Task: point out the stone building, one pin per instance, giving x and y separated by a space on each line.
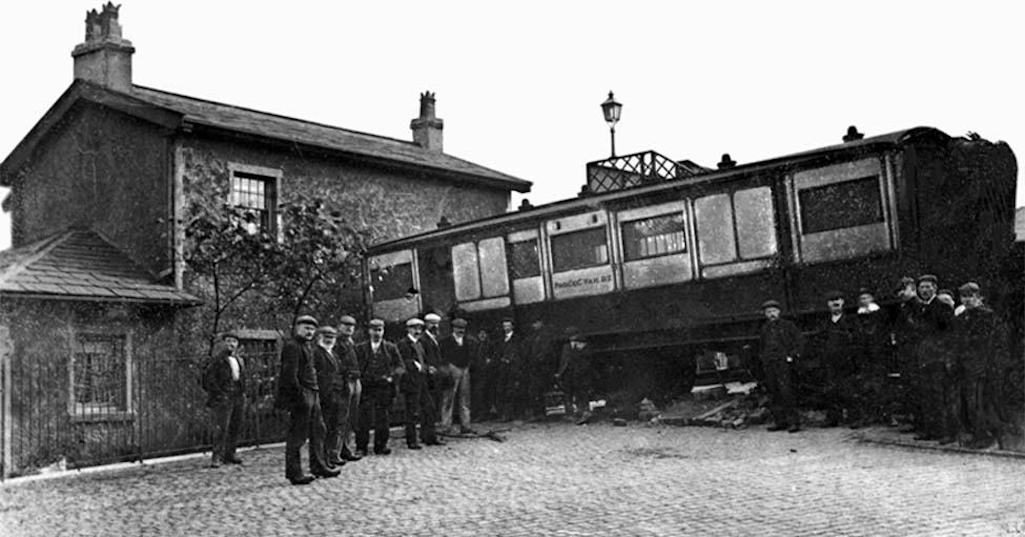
94 285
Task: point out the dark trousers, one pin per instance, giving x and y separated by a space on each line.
305 422
227 414
981 415
937 401
374 410
420 409
334 405
780 384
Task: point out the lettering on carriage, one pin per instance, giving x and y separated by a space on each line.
580 282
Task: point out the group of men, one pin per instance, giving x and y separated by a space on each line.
947 363
336 390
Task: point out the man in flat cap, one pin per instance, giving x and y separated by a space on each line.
349 410
933 358
331 384
982 346
380 367
438 378
224 379
457 352
298 393
876 360
834 344
574 373
413 385
780 344
904 338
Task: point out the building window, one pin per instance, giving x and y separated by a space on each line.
390 283
655 236
524 259
256 196
100 379
841 205
579 249
479 269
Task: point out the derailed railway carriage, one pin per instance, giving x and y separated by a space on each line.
663 265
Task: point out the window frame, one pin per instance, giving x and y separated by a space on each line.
482 287
738 257
603 229
271 178
684 239
90 412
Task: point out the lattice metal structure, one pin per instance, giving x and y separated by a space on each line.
638 169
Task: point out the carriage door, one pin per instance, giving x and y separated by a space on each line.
581 259
525 267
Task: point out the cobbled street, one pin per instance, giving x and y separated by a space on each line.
553 479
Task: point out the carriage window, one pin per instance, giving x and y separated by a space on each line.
756 225
479 269
465 271
841 205
524 259
493 273
391 282
656 236
716 240
579 249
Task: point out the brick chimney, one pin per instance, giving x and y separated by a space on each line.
427 128
105 58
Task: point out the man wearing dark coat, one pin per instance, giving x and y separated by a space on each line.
780 344
348 412
981 344
438 377
835 342
875 360
904 339
332 391
575 373
458 352
541 363
380 366
419 405
225 383
298 393
935 359
508 365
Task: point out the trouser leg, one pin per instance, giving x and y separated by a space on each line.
351 420
330 404
234 424
449 397
298 432
345 410
428 415
363 424
412 414
317 431
463 394
382 419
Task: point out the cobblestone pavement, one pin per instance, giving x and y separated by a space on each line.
556 479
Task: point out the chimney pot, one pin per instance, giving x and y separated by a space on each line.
427 128
525 205
726 162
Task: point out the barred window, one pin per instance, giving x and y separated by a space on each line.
653 237
99 373
256 196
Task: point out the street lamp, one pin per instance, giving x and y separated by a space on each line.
611 109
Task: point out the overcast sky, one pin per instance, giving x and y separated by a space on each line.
519 83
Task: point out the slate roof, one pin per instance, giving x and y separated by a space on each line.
80 264
244 120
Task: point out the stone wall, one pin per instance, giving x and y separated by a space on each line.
100 169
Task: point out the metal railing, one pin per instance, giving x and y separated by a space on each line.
638 169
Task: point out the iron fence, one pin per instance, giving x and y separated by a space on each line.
73 413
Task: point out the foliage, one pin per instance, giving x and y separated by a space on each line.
232 255
320 261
